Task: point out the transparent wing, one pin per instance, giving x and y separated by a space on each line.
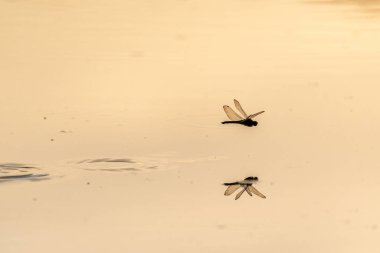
231 189
231 114
240 109
240 193
255 191
254 115
248 191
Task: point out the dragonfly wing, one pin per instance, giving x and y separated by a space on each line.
255 191
231 114
254 115
240 193
231 189
240 109
248 191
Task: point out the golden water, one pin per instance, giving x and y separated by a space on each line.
120 103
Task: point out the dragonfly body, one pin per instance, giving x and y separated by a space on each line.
246 122
237 119
246 184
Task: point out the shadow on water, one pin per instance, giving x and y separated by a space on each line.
18 171
369 7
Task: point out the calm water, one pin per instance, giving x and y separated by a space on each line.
111 138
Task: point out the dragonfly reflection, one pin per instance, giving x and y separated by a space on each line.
237 119
246 184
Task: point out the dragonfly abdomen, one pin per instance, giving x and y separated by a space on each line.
232 122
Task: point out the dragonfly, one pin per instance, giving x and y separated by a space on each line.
246 184
237 119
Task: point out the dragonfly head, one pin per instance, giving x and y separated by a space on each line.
254 123
252 178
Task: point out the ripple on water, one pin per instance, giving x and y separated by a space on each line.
19 171
110 164
138 164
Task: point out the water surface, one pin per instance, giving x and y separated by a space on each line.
119 104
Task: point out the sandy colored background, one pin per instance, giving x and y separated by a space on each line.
144 82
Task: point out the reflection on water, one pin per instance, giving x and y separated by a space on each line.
18 171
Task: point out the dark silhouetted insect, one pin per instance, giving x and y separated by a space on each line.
236 118
246 184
